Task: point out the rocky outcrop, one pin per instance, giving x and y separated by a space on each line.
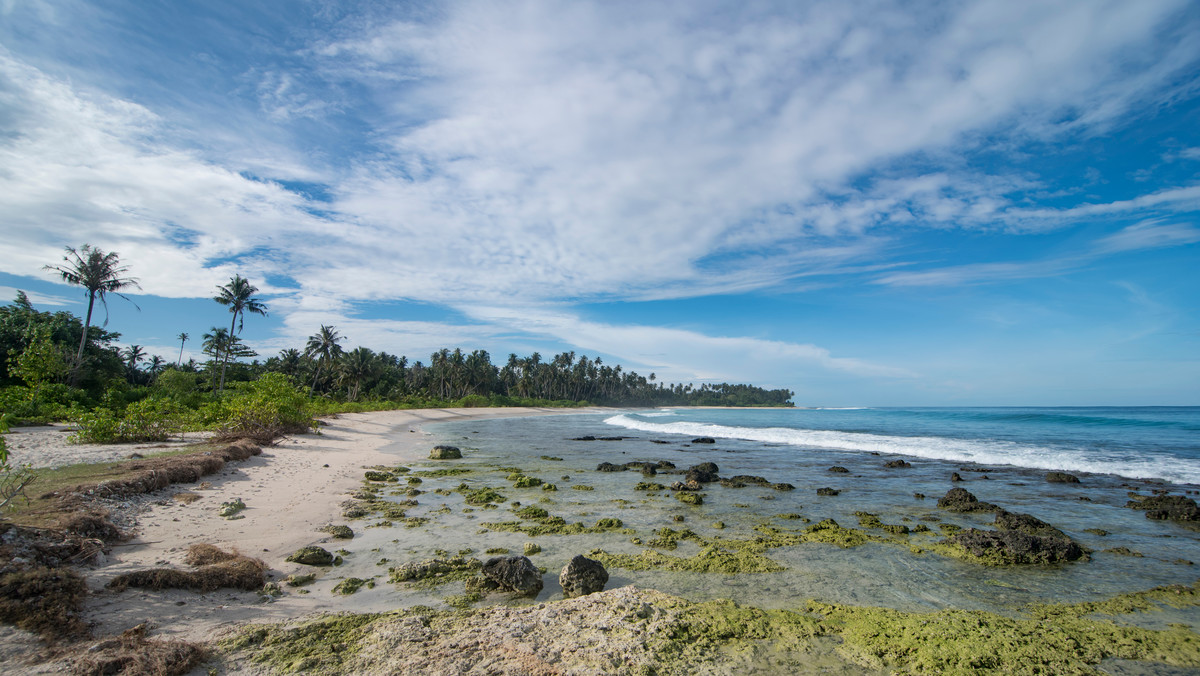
312 556
705 472
1172 507
1014 547
582 576
686 486
895 464
961 500
838 469
827 492
1061 478
704 440
445 453
514 574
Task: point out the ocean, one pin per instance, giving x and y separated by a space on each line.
1002 455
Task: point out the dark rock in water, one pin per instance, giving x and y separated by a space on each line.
750 479
1014 547
582 576
839 469
704 440
312 556
1173 507
515 574
893 464
659 441
705 472
664 464
827 492
445 453
611 438
1024 523
783 487
649 470
689 498
730 483
586 437
961 500
919 496
1061 478
956 477
1096 531
609 467
686 486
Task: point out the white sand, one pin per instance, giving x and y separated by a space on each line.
291 490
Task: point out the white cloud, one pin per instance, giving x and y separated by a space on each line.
8 292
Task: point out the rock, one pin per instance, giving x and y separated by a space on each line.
649 470
586 437
339 532
704 440
514 574
827 492
705 472
445 453
783 487
956 477
961 500
686 486
750 479
1061 478
609 467
1029 525
377 475
1173 507
689 498
582 576
664 464
838 469
1015 547
311 556
893 464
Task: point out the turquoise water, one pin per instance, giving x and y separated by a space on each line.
1002 455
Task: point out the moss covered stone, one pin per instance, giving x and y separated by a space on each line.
338 532
828 531
445 453
351 585
689 498
432 572
312 556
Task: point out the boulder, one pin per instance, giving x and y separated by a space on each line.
312 556
514 574
1029 525
1061 478
955 476
705 472
961 500
838 469
582 576
704 440
686 486
750 479
1173 507
1015 547
609 467
783 487
827 492
893 464
445 453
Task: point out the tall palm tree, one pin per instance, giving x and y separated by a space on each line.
238 296
99 274
323 346
356 366
133 354
183 337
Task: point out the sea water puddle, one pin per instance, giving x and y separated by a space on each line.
872 574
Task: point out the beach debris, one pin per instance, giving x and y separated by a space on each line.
838 469
1161 507
704 440
230 509
133 653
961 500
896 464
827 492
1061 478
214 569
312 555
514 574
582 576
338 532
445 453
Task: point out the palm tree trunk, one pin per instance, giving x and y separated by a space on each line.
228 349
83 339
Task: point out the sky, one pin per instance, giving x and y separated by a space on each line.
868 203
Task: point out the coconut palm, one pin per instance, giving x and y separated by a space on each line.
356 366
183 338
99 274
323 346
133 355
238 296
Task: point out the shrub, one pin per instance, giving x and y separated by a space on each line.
264 410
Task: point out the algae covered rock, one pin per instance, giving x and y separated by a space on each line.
705 472
897 464
688 498
230 509
338 532
686 486
445 453
1061 478
312 556
704 440
961 500
445 568
582 576
838 469
827 492
515 574
1173 507
1014 547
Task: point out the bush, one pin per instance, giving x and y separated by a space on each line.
152 419
264 410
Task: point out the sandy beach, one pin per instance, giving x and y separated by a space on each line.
290 491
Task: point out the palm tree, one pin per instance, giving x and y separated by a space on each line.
133 354
356 366
238 295
183 337
323 346
156 367
99 274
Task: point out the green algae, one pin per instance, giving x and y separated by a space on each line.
352 584
582 487
669 538
378 475
318 646
609 523
463 601
551 458
554 525
524 481
300 580
649 486
496 550
338 532
829 532
710 559
435 572
549 487
689 498
480 496
449 471
532 548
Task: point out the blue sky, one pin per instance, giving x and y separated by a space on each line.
870 203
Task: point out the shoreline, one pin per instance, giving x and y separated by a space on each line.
290 491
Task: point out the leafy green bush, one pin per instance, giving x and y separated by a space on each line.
262 410
151 419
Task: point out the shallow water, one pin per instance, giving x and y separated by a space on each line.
872 574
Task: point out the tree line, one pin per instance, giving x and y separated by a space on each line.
57 356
